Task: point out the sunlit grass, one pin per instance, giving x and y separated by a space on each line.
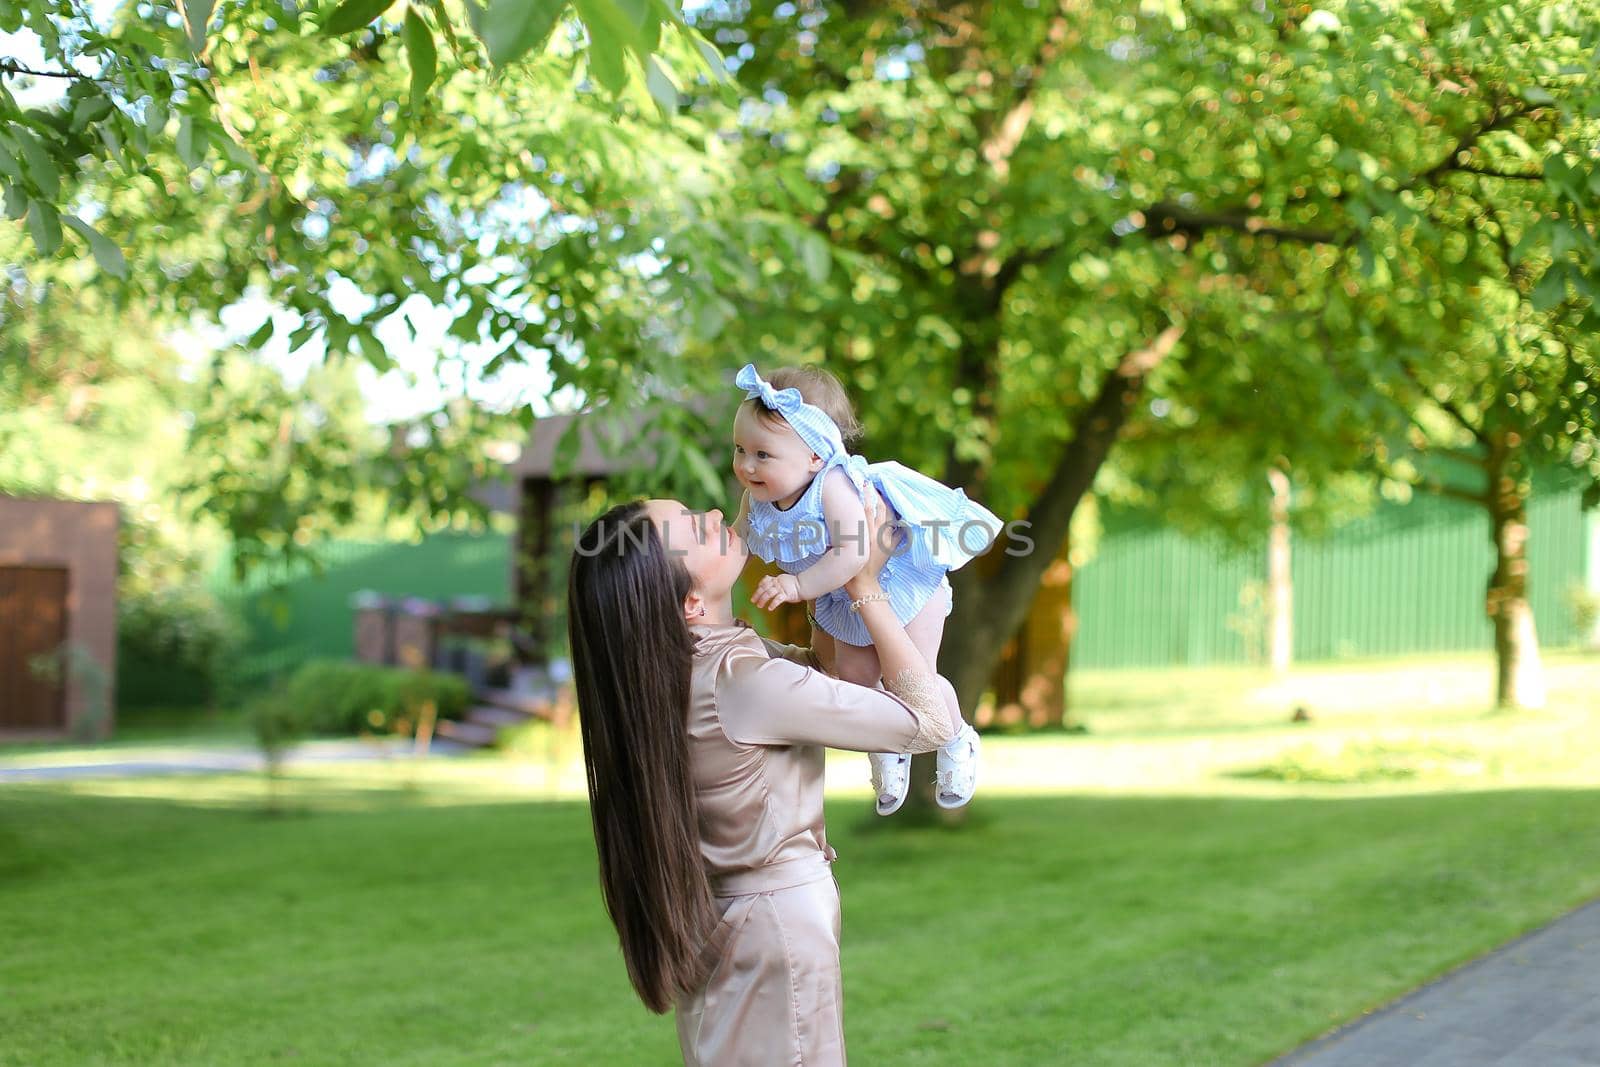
1411 725
1194 880
425 927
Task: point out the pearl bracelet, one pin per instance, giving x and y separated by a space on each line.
855 605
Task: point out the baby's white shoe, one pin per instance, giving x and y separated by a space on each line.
891 780
957 769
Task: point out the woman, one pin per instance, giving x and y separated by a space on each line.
704 746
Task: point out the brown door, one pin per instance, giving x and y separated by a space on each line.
33 625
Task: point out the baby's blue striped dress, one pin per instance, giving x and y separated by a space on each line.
945 530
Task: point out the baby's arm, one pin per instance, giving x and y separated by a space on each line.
848 537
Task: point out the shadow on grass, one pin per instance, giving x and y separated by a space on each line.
381 926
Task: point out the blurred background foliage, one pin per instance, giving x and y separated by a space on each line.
1147 251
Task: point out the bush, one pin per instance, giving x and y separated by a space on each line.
341 697
1585 608
176 645
278 724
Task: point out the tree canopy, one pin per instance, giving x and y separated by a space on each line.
1154 247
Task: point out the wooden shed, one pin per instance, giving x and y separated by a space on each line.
58 617
547 498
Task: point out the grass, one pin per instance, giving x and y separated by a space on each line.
151 726
396 927
1195 881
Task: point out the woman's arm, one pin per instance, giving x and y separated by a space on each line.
775 701
905 672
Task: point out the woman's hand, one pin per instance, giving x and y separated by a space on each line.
885 538
775 590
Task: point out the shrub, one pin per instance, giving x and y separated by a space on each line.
1585 608
341 697
176 645
278 724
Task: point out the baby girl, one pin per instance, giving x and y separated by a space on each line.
804 506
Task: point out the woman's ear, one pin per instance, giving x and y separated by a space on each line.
694 608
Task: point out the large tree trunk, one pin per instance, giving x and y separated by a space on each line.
1280 583
990 607
1030 679
1519 674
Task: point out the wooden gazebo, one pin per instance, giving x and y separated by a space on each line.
548 491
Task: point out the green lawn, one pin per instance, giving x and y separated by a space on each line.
152 726
429 928
1195 881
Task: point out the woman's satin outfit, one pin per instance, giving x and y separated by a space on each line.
760 715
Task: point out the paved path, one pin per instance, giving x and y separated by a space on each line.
212 760
1533 1003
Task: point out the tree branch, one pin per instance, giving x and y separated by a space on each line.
999 146
1448 406
1433 485
1166 218
1466 143
1488 172
8 66
1452 492
986 622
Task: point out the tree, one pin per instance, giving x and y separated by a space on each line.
1500 376
1029 200
993 219
183 59
529 210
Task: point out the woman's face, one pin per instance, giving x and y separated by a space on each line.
713 553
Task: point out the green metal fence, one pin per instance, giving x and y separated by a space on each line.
300 615
1408 579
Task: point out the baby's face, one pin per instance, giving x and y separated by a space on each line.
770 460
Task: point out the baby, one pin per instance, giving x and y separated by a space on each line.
804 506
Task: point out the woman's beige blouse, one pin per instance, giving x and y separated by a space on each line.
760 714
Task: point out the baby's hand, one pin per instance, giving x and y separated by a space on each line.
776 589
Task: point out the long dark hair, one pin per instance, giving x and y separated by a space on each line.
631 655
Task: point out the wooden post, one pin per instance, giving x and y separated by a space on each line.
1591 575
531 563
1280 583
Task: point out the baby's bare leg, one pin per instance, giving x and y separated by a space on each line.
855 663
926 630
822 646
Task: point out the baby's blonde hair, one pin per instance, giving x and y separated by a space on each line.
818 388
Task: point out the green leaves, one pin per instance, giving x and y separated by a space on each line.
196 13
353 15
617 27
44 226
41 169
513 28
420 50
107 254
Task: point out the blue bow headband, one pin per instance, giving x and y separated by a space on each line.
815 427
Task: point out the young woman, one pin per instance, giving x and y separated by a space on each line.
704 748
